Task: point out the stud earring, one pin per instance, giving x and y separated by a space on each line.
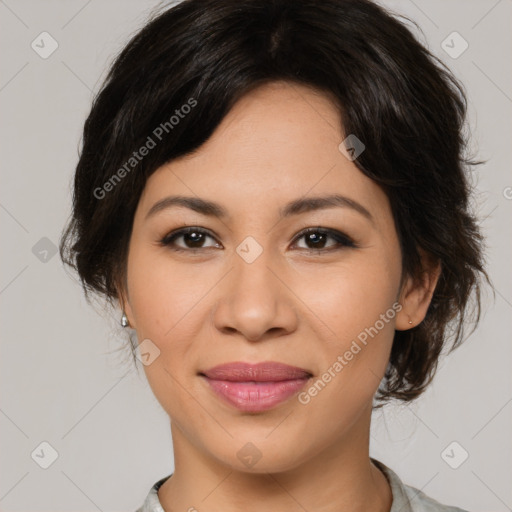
124 320
410 322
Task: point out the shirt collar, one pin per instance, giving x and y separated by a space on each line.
400 503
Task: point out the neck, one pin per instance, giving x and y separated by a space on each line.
340 477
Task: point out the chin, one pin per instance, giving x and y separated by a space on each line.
260 457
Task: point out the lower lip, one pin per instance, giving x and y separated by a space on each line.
258 396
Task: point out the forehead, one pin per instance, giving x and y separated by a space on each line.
279 142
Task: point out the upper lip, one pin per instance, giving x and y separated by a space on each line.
268 371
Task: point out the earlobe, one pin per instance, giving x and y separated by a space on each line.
416 294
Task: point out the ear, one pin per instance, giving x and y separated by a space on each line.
416 293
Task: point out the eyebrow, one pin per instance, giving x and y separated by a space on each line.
295 207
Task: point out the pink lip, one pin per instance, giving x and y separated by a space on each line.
256 387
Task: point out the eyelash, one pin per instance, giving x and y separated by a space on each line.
343 241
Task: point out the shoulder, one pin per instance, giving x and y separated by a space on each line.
420 502
409 499
152 503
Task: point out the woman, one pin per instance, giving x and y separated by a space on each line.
274 194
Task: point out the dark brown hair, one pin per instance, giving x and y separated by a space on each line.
394 95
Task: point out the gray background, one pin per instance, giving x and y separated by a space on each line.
64 378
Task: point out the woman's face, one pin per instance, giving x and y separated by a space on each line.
253 289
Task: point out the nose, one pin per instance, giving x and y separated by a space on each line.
255 301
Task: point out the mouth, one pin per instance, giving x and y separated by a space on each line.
255 387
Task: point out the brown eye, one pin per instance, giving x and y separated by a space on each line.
193 238
317 239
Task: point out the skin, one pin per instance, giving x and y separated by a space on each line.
296 304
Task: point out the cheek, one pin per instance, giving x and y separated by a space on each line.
355 310
162 292
350 296
160 310
158 301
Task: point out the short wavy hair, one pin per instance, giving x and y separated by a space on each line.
396 96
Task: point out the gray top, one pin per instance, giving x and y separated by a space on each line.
405 498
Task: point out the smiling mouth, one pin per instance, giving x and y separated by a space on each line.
255 387
251 396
